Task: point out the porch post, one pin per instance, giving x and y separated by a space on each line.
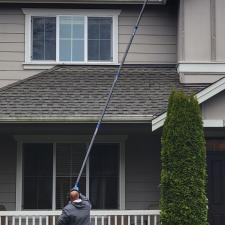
19 178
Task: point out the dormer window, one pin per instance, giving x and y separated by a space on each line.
71 37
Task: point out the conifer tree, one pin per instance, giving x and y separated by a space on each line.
183 156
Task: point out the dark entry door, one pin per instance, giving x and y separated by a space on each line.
216 187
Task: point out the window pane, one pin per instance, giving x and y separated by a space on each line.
69 158
38 49
104 176
71 38
105 30
65 50
93 50
105 45
65 27
93 30
44 38
37 182
78 50
100 38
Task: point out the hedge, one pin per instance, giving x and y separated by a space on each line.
183 175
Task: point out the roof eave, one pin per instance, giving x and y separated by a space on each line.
79 119
202 96
155 2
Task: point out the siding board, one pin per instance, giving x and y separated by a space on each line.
6 66
9 11
12 47
149 58
11 28
146 49
11 38
147 20
12 56
150 40
149 30
18 19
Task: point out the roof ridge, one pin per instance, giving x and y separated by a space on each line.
9 86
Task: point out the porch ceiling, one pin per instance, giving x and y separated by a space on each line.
78 93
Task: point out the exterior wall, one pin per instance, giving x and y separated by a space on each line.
214 108
142 166
156 38
201 40
155 41
12 47
7 173
143 172
220 31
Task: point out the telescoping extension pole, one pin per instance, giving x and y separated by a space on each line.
110 93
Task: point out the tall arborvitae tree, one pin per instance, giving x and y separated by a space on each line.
183 155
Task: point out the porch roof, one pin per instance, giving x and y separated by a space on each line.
78 93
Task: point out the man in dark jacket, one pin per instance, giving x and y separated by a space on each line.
77 211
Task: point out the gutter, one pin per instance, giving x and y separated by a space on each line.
79 119
155 2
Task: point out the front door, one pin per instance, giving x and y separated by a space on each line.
216 183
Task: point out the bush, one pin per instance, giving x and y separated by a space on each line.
183 155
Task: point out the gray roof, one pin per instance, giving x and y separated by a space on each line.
76 93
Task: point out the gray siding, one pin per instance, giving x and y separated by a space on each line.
155 41
142 172
12 50
214 108
8 173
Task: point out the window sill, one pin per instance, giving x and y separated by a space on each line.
49 65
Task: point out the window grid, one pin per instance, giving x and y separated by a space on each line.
85 39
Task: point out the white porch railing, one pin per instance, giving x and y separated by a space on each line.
98 217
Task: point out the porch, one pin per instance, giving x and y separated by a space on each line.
98 217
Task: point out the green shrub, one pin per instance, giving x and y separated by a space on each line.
183 175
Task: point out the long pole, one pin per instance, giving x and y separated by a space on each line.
110 93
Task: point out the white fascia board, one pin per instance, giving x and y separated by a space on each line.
213 123
158 121
87 2
201 68
202 96
79 119
79 12
211 91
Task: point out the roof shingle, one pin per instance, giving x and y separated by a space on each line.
76 91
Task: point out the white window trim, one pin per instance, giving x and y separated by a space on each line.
56 139
29 12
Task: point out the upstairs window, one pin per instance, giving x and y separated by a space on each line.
67 38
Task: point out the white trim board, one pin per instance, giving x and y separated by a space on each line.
213 123
79 119
201 68
202 96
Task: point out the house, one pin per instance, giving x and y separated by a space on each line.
57 63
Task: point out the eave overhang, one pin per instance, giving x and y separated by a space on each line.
202 96
79 119
161 2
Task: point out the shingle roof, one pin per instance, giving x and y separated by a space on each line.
71 92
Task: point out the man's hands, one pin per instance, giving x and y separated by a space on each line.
76 187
